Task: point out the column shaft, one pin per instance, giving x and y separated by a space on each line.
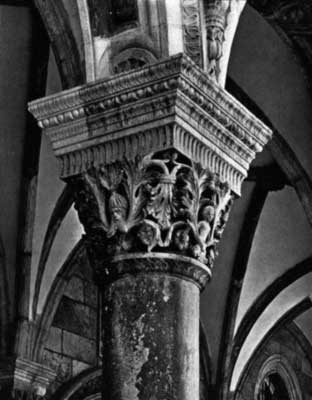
151 338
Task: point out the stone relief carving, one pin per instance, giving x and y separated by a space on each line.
160 203
132 58
192 30
215 19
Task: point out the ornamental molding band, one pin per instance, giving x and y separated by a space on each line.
155 157
169 104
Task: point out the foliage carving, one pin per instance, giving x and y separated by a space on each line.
160 203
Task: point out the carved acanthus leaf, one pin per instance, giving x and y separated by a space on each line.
161 202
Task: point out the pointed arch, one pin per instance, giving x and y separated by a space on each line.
64 45
300 181
63 205
57 290
260 304
298 309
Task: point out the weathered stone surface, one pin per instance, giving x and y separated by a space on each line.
79 366
54 341
61 364
79 348
76 317
84 270
91 294
74 289
151 348
285 353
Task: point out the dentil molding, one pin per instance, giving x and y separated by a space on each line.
169 104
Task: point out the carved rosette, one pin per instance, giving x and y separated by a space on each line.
155 157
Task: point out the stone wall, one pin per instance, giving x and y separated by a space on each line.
71 346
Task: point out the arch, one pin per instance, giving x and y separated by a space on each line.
44 321
63 42
277 364
140 56
286 318
139 45
234 13
262 301
299 179
280 150
63 205
85 24
248 230
86 385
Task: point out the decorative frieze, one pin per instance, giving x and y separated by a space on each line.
170 104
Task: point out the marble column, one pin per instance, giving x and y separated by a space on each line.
155 158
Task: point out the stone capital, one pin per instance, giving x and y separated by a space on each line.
25 379
161 203
155 157
33 378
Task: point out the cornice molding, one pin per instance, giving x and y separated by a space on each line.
170 104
